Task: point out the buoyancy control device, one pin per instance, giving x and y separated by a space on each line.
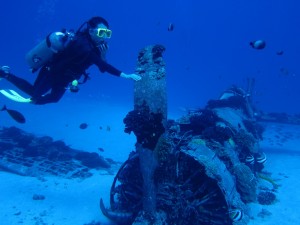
44 51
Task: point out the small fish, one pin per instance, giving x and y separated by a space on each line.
261 159
284 71
280 52
171 27
17 116
100 128
83 126
258 44
236 215
250 159
101 149
108 128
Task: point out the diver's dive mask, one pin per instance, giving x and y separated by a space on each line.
104 32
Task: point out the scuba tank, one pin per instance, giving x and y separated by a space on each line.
44 51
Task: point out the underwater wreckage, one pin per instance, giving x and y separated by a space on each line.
26 154
203 168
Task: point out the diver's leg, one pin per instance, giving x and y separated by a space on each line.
54 96
43 83
20 83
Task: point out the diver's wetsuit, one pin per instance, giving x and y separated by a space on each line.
65 67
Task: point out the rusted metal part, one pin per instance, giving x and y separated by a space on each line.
116 216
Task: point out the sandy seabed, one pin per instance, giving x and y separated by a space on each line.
76 201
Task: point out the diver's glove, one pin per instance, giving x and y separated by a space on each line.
103 47
132 76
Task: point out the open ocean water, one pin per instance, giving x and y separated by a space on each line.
207 51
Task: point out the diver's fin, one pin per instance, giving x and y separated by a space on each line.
16 93
13 95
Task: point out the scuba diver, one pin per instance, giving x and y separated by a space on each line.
62 59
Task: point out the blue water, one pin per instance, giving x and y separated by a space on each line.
207 51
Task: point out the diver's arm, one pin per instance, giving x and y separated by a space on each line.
105 67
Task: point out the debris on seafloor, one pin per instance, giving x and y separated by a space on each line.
25 154
38 197
283 118
199 169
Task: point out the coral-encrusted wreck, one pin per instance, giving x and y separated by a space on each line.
200 169
25 154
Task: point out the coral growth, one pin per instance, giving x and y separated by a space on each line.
245 141
246 182
163 149
254 128
198 121
92 160
217 133
266 198
147 126
157 51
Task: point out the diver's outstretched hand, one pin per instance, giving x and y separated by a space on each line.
132 76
